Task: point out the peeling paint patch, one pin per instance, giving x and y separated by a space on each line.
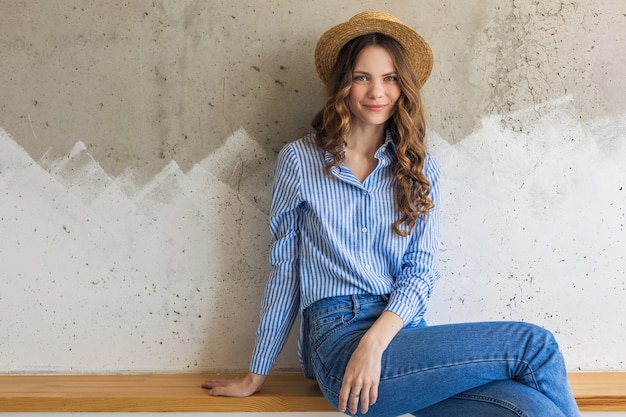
536 221
122 277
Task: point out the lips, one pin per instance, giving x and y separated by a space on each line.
376 107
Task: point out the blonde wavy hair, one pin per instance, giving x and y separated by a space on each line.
407 127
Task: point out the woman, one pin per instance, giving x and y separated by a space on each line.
354 221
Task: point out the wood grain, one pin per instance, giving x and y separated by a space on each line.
599 391
182 392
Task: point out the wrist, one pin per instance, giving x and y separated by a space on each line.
382 332
373 343
255 381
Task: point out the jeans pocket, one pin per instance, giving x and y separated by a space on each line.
332 345
326 326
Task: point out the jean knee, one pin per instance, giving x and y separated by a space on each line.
538 335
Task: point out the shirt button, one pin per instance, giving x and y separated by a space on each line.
364 192
368 267
364 229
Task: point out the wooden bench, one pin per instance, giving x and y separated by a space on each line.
164 392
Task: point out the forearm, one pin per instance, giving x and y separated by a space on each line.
382 332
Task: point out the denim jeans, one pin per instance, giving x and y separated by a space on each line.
496 369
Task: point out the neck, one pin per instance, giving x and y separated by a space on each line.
365 139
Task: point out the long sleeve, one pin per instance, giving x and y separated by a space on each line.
412 288
281 300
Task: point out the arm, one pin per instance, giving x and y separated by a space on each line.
281 299
419 270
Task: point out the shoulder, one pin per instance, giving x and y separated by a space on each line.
305 144
303 150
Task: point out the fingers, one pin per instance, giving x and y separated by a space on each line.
373 394
354 396
211 383
366 398
224 387
363 399
351 397
344 397
235 387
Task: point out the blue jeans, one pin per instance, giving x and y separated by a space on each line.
497 369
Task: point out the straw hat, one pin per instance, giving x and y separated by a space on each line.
331 42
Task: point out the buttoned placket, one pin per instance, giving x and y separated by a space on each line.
365 237
362 222
366 189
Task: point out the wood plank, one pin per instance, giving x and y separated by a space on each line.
605 391
151 393
599 391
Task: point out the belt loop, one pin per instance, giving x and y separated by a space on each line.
355 303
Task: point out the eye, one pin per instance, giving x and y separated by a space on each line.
359 78
391 78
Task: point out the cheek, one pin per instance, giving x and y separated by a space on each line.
394 97
394 93
353 98
354 95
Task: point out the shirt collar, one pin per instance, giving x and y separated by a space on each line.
385 153
387 150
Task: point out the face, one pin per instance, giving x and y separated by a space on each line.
375 88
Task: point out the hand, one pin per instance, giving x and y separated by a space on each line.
362 375
235 387
360 381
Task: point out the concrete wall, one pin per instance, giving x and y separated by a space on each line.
138 140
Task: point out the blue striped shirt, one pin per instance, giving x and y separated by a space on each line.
332 236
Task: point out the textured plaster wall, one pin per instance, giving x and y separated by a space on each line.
137 141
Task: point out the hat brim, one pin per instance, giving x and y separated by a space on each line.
331 42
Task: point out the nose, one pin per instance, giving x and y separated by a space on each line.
376 90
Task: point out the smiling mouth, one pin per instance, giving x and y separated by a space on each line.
377 107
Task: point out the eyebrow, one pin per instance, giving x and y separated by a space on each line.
367 73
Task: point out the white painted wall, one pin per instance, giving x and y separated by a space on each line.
534 230
102 275
138 143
